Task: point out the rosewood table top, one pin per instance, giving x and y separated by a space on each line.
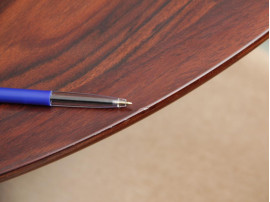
151 52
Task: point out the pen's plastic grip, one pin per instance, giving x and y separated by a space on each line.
25 96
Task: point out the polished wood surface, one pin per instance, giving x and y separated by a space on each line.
150 52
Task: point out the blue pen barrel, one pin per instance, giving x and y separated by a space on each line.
25 96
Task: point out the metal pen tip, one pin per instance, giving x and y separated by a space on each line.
123 102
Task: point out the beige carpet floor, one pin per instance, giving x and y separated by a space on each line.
211 145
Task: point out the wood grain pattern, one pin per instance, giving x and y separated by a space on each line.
150 52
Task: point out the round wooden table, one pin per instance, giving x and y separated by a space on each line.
150 52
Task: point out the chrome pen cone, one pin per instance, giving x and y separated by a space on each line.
86 100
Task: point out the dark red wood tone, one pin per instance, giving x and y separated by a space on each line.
148 51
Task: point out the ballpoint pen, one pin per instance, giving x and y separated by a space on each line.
61 99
